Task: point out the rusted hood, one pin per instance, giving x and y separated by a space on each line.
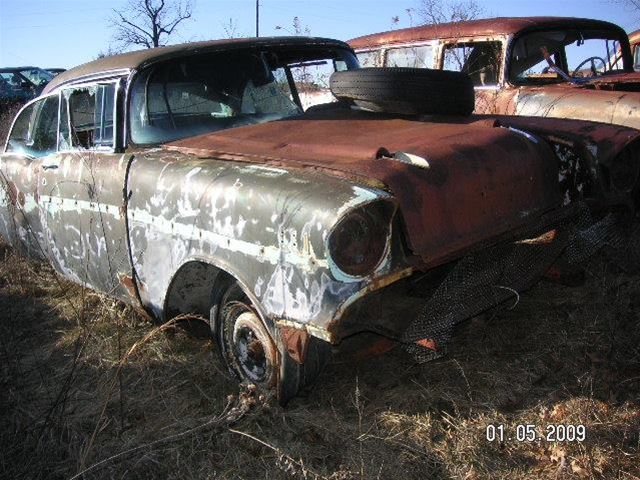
603 141
480 182
626 82
614 79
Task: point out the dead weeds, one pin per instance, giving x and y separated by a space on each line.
92 389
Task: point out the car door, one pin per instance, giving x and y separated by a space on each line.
82 190
31 146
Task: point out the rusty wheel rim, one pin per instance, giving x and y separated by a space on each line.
251 351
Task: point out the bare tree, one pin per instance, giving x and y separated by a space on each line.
230 28
149 23
632 6
109 52
433 12
296 28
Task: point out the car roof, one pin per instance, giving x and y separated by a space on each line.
472 28
140 58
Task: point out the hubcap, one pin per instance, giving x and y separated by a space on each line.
253 349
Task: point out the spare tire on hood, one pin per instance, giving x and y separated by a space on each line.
406 90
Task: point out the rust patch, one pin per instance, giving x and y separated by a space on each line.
12 191
377 348
544 239
296 341
429 343
129 284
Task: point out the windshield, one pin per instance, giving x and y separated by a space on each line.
37 76
579 54
208 92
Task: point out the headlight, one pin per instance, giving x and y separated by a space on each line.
359 241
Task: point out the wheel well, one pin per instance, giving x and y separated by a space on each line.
195 288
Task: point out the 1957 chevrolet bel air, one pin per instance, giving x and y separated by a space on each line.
190 180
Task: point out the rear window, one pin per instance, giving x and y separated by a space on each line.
413 57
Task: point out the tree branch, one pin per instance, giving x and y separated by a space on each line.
145 22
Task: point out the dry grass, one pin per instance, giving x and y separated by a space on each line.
72 397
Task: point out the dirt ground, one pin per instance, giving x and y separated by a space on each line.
91 389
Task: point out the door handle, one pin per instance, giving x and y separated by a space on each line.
50 167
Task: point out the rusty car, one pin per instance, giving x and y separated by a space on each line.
533 66
189 180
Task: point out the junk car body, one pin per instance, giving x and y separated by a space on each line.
21 84
532 66
189 180
55 71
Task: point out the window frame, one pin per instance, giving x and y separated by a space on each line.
379 52
22 109
426 43
119 91
625 47
504 46
115 147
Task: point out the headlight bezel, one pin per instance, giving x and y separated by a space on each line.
360 240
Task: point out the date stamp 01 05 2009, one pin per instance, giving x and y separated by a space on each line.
530 433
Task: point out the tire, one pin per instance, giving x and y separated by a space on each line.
251 354
406 91
298 377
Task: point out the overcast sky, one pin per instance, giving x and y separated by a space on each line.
64 33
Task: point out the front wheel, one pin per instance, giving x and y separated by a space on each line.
253 356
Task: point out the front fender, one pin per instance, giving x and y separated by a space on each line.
266 226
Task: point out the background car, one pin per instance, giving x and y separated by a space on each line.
55 71
535 66
20 84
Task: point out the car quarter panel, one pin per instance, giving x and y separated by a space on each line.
265 226
620 108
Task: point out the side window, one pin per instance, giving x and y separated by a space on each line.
35 131
90 116
370 58
480 60
414 57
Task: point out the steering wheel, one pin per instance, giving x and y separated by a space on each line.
594 70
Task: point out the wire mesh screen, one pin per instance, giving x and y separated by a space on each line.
489 277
